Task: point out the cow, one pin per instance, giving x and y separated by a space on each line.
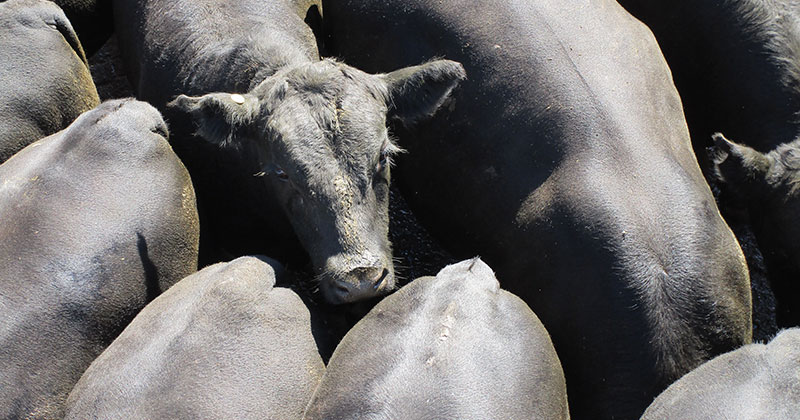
95 220
92 20
757 381
565 162
454 346
766 186
308 152
736 64
46 82
222 343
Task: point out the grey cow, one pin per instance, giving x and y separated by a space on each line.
308 153
755 382
95 221
736 64
45 81
220 344
454 346
565 162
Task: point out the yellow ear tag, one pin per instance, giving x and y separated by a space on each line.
239 99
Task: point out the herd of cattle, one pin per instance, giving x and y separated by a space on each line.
546 136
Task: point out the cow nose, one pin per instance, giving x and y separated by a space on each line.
362 283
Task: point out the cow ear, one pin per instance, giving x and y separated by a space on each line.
220 117
415 93
736 163
722 148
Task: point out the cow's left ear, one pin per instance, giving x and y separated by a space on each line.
220 117
415 93
742 169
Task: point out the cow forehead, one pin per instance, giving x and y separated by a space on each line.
333 78
315 124
323 91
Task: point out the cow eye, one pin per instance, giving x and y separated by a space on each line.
383 162
281 174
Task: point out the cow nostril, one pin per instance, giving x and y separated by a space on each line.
383 275
344 290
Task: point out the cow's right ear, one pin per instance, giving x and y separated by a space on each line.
220 117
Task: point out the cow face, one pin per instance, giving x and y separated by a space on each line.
319 130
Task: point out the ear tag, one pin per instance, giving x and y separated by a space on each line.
266 169
239 99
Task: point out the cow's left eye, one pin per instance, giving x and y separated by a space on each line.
382 163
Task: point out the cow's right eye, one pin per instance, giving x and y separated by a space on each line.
281 174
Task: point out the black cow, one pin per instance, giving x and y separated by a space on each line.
565 162
454 346
757 381
45 81
220 344
92 20
309 152
95 221
766 185
736 64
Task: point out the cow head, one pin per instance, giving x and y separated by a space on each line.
319 130
750 174
768 185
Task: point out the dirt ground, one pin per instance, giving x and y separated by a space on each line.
416 252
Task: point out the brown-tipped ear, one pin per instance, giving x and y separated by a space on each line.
220 117
415 93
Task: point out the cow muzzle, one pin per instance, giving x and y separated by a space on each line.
357 284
